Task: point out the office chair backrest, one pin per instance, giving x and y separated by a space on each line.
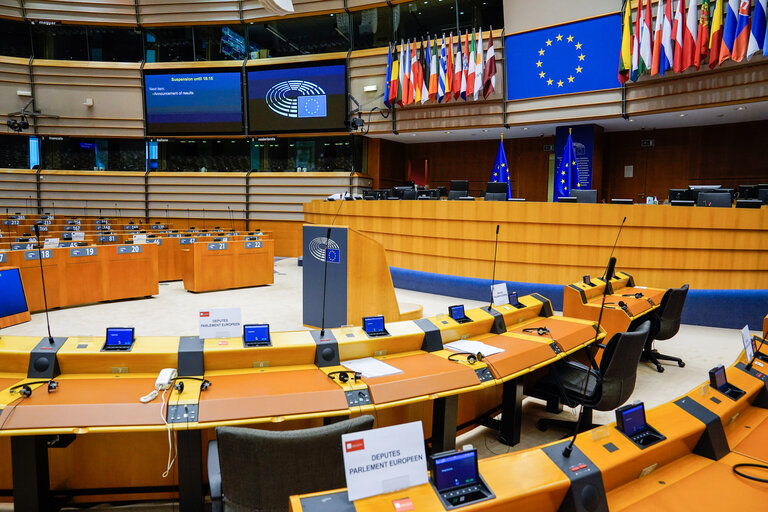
457 194
409 194
762 194
716 199
260 469
667 321
585 196
618 367
496 191
460 185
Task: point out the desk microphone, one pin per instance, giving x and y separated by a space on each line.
231 220
757 351
608 272
609 276
42 278
325 268
493 278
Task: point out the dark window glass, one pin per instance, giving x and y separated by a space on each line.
121 154
15 41
14 151
59 42
169 44
372 27
298 36
424 17
220 42
74 153
288 154
114 44
480 14
203 155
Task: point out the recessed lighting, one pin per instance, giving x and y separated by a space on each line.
485 131
631 120
741 108
447 131
683 115
413 135
524 128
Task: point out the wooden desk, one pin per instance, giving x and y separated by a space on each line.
581 300
223 265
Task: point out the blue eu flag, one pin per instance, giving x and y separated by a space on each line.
567 173
570 58
501 170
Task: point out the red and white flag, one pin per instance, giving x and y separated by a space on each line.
690 35
677 36
489 75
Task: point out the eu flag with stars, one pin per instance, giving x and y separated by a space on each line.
567 173
501 170
570 58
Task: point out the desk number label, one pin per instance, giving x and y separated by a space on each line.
42 228
108 238
217 246
253 245
11 222
22 247
187 241
46 254
128 249
83 251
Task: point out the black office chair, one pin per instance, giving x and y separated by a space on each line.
261 469
585 196
609 385
409 194
459 188
664 325
762 195
496 191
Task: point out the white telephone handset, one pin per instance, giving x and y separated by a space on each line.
163 382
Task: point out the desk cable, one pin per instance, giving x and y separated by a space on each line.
737 467
164 417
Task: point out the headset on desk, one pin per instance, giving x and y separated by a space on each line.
25 390
623 305
344 375
541 331
469 357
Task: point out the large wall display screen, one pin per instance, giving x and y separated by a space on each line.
297 99
189 102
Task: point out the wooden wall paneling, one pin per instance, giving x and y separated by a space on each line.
18 192
11 9
205 197
120 12
188 12
393 166
14 76
565 108
119 195
529 164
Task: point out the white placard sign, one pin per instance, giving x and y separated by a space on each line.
384 460
220 323
746 340
140 239
78 236
499 293
50 243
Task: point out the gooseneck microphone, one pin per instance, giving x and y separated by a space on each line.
42 278
609 276
493 277
608 271
757 351
231 220
325 268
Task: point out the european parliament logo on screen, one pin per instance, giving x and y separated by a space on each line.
297 98
570 58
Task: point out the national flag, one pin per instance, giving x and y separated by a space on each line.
465 66
757 34
449 69
658 50
388 77
394 81
741 40
489 74
407 73
479 65
634 70
424 70
401 76
458 71
500 172
441 79
690 34
702 39
677 36
668 57
415 87
471 63
567 170
625 54
646 40
729 29
716 34
434 77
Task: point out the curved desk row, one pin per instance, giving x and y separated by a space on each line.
706 434
282 386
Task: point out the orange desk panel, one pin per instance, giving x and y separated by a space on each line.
422 374
567 333
519 354
271 393
233 267
755 445
86 403
133 274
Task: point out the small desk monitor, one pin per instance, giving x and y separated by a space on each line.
456 478
13 301
514 301
457 313
374 326
566 199
119 338
719 381
679 194
630 420
256 335
585 196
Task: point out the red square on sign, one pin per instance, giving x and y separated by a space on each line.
354 445
403 505
204 314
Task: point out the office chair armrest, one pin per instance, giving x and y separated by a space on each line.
214 470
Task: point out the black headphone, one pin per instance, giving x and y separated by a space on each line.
541 331
344 375
25 390
470 357
179 386
635 295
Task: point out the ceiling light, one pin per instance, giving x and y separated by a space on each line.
447 131
631 120
525 128
741 108
485 131
683 115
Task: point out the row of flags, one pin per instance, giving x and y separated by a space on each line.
424 73
732 30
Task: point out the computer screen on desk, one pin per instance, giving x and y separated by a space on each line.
12 299
631 420
256 335
119 338
455 470
374 325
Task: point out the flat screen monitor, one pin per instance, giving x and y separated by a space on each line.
679 194
566 199
682 203
373 324
256 334
621 201
762 195
455 470
12 299
188 102
585 196
119 338
748 191
308 97
631 419
714 199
